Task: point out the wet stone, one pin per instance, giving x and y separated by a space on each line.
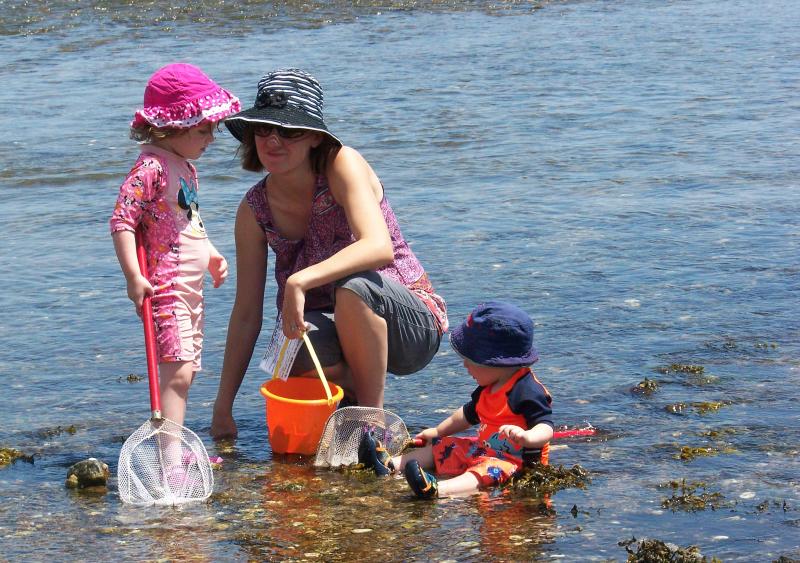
87 473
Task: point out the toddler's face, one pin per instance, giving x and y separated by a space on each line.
191 143
483 375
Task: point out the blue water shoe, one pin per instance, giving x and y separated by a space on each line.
421 482
374 456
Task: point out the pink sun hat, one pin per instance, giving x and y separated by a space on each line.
180 96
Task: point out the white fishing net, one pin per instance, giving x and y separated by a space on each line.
164 463
345 427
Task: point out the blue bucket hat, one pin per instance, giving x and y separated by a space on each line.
496 334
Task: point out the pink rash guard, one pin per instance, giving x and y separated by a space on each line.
160 192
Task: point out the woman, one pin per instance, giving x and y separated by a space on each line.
342 264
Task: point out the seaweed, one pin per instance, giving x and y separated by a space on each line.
130 378
701 407
10 455
646 387
682 368
657 551
688 453
689 500
56 431
544 479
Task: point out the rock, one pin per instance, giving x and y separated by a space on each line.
87 473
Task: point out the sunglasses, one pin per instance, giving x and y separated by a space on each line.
282 132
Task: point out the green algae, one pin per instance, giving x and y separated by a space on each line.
657 551
10 455
691 497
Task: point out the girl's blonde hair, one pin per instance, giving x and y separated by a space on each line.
149 133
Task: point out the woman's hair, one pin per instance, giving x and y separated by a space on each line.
319 155
149 133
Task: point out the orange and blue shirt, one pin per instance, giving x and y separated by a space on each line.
522 401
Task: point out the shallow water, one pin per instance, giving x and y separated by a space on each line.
625 171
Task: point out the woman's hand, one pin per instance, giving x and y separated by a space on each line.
138 289
223 425
294 301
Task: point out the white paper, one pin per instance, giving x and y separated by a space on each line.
281 352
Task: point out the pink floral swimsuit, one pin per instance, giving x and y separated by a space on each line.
160 192
328 232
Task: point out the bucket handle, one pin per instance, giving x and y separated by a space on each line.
319 368
314 358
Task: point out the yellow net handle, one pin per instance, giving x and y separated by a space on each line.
319 367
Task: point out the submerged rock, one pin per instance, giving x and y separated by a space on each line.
87 473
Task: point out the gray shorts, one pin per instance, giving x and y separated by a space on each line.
413 335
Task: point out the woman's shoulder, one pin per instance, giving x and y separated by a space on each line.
346 158
256 195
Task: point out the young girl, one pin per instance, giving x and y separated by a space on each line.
341 262
181 109
510 404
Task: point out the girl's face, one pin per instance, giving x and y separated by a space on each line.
281 150
193 142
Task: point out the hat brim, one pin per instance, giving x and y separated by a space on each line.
458 344
286 116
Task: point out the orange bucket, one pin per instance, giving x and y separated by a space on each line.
297 410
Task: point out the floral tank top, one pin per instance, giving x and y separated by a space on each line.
328 232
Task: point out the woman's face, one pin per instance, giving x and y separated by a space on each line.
282 149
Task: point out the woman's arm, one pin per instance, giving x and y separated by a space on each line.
357 189
245 321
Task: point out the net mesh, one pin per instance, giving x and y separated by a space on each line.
164 463
345 427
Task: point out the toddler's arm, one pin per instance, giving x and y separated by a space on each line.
217 265
535 437
138 286
453 424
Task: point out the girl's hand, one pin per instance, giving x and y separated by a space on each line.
427 435
294 301
138 288
218 268
513 433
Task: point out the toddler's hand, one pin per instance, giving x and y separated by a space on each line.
427 435
218 268
138 288
512 432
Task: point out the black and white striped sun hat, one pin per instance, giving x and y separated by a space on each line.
288 97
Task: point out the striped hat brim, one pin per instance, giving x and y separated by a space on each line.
287 116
